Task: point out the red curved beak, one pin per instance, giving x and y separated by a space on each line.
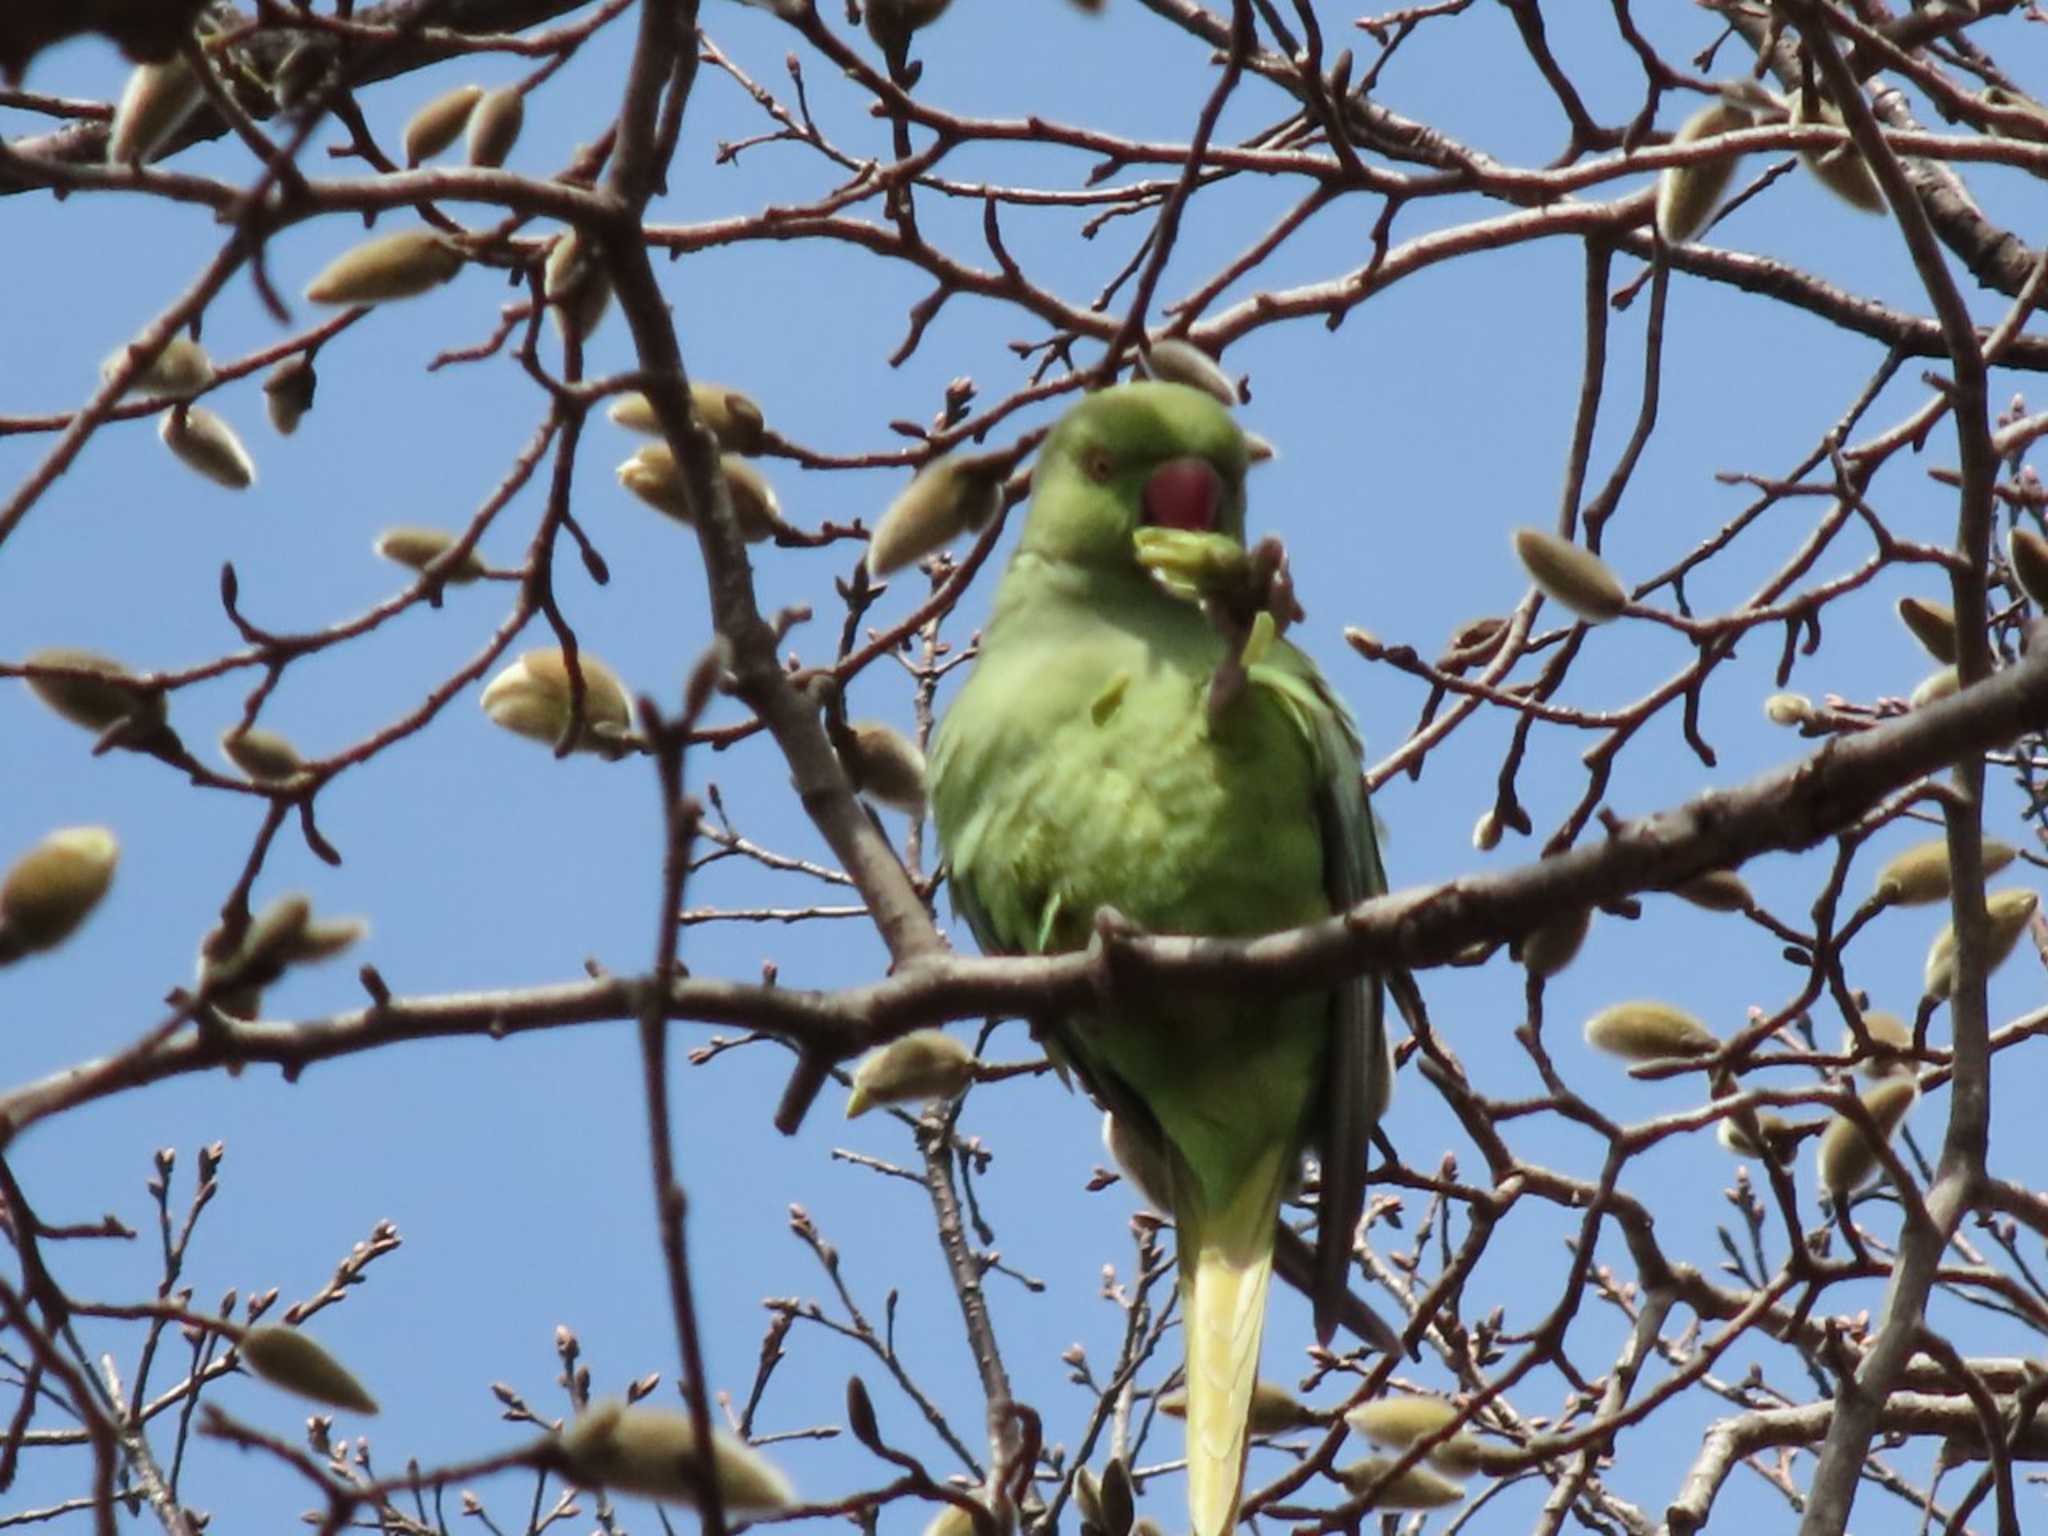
1185 493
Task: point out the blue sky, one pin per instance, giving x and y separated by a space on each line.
1412 440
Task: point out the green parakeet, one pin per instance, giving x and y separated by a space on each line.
1093 760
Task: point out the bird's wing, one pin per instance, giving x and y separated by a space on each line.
1356 1081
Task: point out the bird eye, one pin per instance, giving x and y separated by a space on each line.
1097 465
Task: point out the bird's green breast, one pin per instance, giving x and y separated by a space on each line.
1079 768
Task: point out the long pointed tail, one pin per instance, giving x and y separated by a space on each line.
1226 1264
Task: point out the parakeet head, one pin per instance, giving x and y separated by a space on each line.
1135 456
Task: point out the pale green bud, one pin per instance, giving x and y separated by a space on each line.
2028 552
1845 1158
97 700
653 1452
951 1520
205 443
1842 171
531 697
924 1064
263 755
1139 1161
1486 832
1649 1031
1932 624
1273 1411
181 370
154 105
885 765
326 937
734 419
957 494
1891 1037
50 890
1573 577
1549 949
1401 1421
440 122
653 476
754 505
287 1358
1417 1488
494 124
273 940
418 548
1933 689
1919 876
577 285
1174 361
2010 911
1687 195
1718 890
1788 709
1780 1136
288 392
891 22
397 266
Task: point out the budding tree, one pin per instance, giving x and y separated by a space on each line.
1640 395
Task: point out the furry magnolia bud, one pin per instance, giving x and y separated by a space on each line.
957 494
98 693
1891 1037
440 122
1919 876
178 372
419 548
890 22
1932 624
2010 911
287 1358
154 105
1687 195
494 124
1845 1159
263 755
576 285
1788 709
1934 688
532 697
1841 170
1576 578
397 266
1649 1031
653 476
1718 890
734 419
653 1452
2028 552
1486 832
52 889
1417 1488
1274 1410
205 443
1174 361
1550 948
885 765
288 392
1401 1421
924 1064
1779 1137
